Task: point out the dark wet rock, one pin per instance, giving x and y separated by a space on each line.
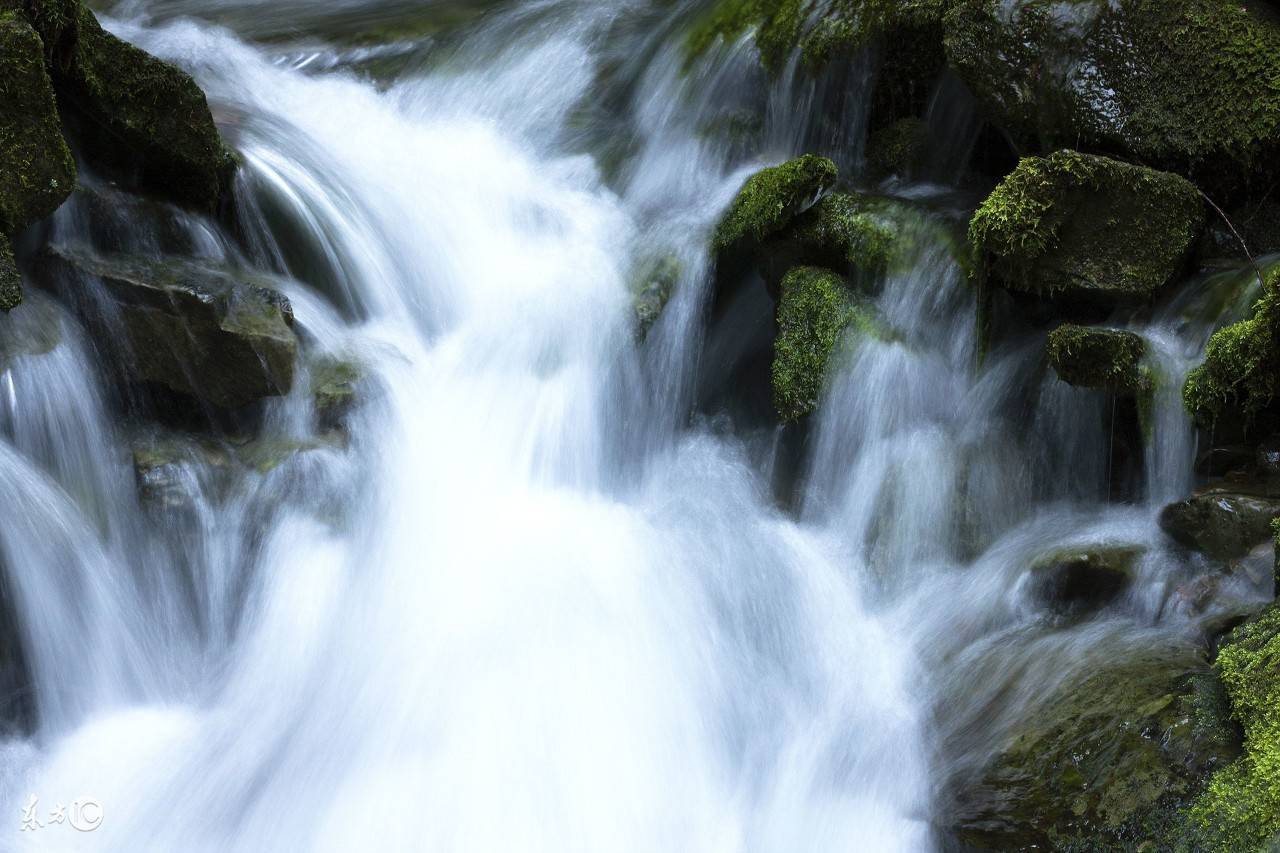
1090 357
335 390
1105 762
1083 228
219 335
1081 580
897 148
1190 86
817 312
652 289
1224 525
1217 461
141 119
1240 809
36 169
770 199
10 278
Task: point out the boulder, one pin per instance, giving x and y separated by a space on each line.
1090 357
817 310
1190 86
140 119
220 335
1089 229
10 279
770 199
36 170
1240 374
335 388
1222 524
1075 581
1105 762
851 233
1240 808
651 290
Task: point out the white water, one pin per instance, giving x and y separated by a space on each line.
531 607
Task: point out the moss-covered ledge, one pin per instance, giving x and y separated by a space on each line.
1240 809
1088 228
770 199
1090 357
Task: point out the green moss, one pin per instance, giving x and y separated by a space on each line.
54 20
36 169
1097 358
10 280
1240 810
142 119
897 148
845 230
771 198
817 309
1241 371
1187 86
1087 227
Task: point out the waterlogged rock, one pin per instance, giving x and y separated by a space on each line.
1222 524
335 390
1241 372
1086 228
10 279
211 333
1240 809
1074 581
139 118
1190 86
818 309
36 170
770 199
897 148
848 232
1105 762
651 290
1098 358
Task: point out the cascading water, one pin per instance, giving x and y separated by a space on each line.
528 605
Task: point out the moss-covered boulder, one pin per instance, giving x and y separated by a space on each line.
850 233
219 335
1104 763
1241 371
143 120
36 170
1082 579
1221 523
770 199
10 280
897 148
1240 809
1086 228
1090 357
817 310
1191 86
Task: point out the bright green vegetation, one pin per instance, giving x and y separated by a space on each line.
1098 358
36 169
1191 86
1087 227
817 310
1241 370
1240 810
771 198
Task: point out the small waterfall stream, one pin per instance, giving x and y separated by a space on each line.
525 602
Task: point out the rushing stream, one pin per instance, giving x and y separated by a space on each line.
532 603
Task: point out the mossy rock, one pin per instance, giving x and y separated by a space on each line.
1225 525
220 335
1240 374
1190 86
335 389
851 233
1091 357
36 170
770 199
1082 580
1240 809
10 279
651 289
817 311
1085 228
897 148
1105 762
140 119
